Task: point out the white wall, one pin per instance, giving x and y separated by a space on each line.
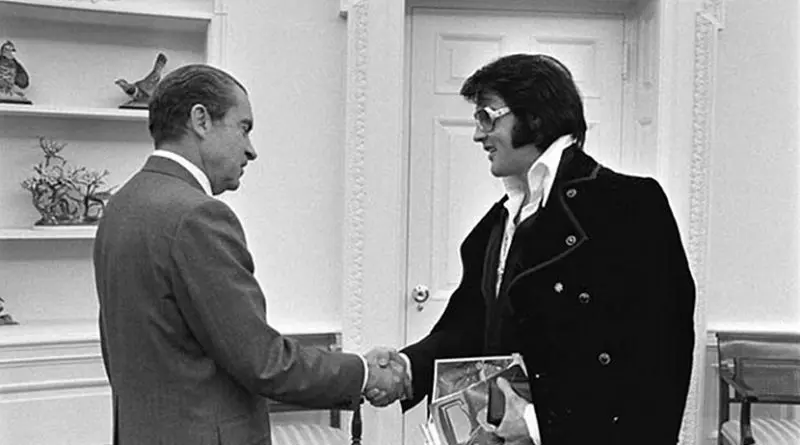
753 233
291 57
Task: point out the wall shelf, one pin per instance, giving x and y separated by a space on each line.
73 112
185 9
65 233
181 14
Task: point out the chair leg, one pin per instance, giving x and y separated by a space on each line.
355 427
745 429
724 410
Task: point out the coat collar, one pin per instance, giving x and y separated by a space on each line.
576 165
157 164
557 232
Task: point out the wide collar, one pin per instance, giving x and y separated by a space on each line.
540 175
557 233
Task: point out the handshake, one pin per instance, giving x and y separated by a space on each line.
388 379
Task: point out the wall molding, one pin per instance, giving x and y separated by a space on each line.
216 44
708 21
50 360
355 183
53 385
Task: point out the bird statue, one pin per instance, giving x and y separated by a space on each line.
140 91
5 318
13 77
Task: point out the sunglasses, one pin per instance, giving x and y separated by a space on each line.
486 117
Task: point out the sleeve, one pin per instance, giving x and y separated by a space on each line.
225 310
666 315
458 333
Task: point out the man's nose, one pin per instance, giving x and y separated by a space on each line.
479 135
250 152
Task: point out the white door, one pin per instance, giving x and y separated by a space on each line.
450 186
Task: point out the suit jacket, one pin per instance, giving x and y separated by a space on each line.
185 341
598 297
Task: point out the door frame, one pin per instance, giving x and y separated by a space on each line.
375 183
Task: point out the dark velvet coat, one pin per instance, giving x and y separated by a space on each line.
597 296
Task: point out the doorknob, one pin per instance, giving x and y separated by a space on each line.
420 295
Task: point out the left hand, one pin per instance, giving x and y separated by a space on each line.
513 428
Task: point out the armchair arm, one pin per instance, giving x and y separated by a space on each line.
764 380
743 392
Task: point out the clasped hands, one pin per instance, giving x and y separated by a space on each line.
388 379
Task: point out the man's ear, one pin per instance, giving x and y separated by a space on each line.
199 120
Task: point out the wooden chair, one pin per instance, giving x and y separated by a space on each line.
758 368
316 434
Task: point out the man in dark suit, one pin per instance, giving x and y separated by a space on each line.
187 349
578 268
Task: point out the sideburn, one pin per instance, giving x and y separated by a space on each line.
527 132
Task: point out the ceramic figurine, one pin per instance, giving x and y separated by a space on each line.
65 194
4 317
140 91
13 77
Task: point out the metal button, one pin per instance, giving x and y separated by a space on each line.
604 358
558 287
537 376
584 298
571 240
571 193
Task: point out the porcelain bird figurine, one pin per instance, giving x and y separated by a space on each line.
140 91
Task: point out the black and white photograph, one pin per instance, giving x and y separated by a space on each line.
314 222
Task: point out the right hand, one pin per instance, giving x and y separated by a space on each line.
388 379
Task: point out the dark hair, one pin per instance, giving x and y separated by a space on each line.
184 88
539 90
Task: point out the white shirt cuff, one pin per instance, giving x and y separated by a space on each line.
533 425
408 365
366 373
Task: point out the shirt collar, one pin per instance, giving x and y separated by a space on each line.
546 164
198 174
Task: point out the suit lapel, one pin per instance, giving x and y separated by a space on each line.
557 232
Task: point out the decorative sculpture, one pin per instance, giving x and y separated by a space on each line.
13 77
140 91
63 194
5 318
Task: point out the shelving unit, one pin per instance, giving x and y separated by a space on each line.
152 14
49 233
74 50
73 112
